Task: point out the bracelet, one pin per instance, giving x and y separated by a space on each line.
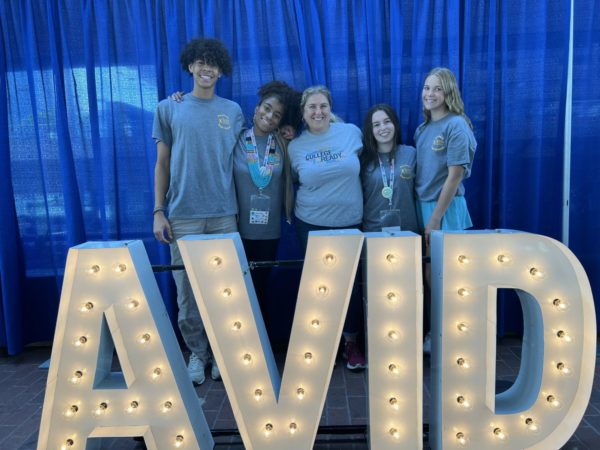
158 208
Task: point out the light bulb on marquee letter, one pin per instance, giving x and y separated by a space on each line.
68 444
76 378
463 259
87 307
132 304
293 428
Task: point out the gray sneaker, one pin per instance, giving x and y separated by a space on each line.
196 369
215 373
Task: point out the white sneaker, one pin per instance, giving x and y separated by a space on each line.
196 369
427 344
215 373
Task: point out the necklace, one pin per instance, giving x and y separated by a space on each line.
260 173
388 189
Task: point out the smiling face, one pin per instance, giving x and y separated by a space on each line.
317 113
267 116
384 131
205 75
434 99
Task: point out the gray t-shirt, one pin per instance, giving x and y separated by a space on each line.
201 135
246 188
328 171
440 144
403 197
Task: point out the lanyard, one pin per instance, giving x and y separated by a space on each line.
388 189
260 173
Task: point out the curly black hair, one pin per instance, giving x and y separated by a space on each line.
211 51
288 97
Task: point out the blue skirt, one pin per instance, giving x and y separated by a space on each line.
456 217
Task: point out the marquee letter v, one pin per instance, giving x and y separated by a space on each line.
273 413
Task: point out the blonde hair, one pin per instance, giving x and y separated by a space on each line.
452 96
312 90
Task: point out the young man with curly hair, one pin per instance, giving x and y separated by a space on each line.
194 191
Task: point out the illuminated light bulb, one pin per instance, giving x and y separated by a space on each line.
535 272
463 259
300 393
391 258
315 323
464 292
71 411
167 406
323 290
293 428
393 368
226 292
93 269
395 433
216 261
499 433
559 304
329 259
258 394
80 341
503 259
392 297
119 268
132 406
132 303
308 356
144 338
393 335
462 401
156 373
461 439
561 334
530 424
237 326
562 368
553 401
101 409
268 429
462 362
178 440
462 327
247 358
87 306
68 444
77 375
393 401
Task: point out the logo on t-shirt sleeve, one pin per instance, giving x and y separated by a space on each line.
223 121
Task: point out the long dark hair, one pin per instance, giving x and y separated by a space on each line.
369 152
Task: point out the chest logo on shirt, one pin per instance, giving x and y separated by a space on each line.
438 144
223 121
406 172
325 155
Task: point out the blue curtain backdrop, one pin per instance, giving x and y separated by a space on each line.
80 80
